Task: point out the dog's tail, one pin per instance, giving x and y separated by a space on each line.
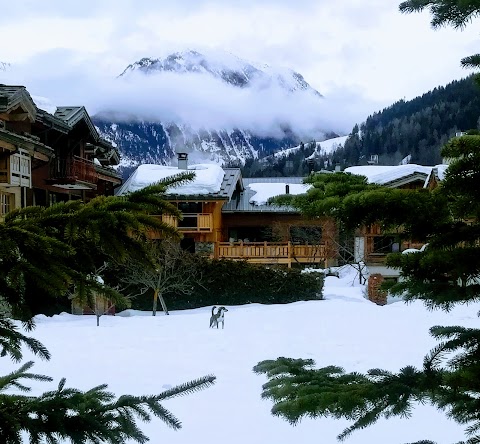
213 309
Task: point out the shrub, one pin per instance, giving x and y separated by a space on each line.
226 282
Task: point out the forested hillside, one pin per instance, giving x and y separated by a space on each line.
414 129
417 127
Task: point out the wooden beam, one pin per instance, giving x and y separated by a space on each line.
7 145
14 117
40 156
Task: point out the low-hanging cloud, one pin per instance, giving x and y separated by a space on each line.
197 100
204 102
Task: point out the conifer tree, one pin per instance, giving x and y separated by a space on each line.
446 273
46 251
43 252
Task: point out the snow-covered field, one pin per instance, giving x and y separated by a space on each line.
140 354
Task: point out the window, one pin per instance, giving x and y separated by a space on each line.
190 211
6 203
190 207
384 244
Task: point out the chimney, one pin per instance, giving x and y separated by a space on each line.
182 161
287 188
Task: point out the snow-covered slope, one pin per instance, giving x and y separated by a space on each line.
324 147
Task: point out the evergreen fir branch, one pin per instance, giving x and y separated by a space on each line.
330 391
12 379
93 416
423 441
187 388
11 342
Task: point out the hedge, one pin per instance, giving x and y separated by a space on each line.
226 282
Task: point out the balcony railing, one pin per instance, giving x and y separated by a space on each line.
270 252
191 222
75 168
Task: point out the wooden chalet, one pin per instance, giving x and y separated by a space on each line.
372 245
47 158
226 224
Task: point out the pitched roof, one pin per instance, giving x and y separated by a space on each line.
211 182
243 204
71 115
231 180
392 176
12 97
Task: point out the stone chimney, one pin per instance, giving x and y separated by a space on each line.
182 161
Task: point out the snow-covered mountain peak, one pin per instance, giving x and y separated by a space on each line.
224 66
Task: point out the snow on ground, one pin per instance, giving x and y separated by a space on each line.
139 354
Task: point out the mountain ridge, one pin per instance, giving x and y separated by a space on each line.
143 140
234 71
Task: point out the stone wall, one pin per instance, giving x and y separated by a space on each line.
375 294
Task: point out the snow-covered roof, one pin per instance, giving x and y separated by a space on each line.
388 175
257 190
441 170
208 179
264 191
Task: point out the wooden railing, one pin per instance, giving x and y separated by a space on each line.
75 168
191 222
270 252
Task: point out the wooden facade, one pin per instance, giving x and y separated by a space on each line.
378 245
47 158
220 229
372 245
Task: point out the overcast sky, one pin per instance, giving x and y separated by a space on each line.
361 55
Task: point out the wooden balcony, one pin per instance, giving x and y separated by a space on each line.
191 222
73 172
271 252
